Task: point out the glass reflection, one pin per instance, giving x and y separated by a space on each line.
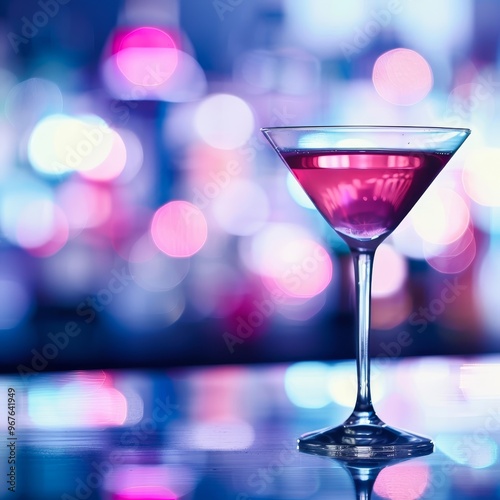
386 477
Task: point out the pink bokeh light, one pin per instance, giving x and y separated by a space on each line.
151 482
84 204
42 228
389 312
86 400
402 77
146 56
402 482
304 268
441 216
112 165
145 493
390 271
455 257
179 229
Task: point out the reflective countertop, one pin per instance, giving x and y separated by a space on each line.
229 432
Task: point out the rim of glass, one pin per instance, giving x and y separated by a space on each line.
392 128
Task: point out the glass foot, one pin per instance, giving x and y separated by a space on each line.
365 440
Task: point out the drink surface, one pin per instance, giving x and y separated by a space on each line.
364 195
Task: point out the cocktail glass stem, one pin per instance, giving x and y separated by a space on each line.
363 264
364 479
363 434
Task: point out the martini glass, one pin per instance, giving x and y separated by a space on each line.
364 181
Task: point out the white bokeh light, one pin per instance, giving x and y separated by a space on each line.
480 176
224 121
441 216
241 208
306 384
390 271
61 143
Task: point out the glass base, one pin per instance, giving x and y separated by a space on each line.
365 440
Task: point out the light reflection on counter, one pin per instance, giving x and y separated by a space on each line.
230 431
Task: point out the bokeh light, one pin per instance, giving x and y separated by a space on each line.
155 482
111 166
293 263
453 258
224 121
306 384
441 216
134 155
186 83
113 119
448 30
458 447
238 434
179 229
407 241
85 401
146 56
431 379
8 150
403 481
342 384
18 192
154 270
85 205
390 311
61 143
327 28
241 208
390 271
41 148
486 296
480 176
300 308
479 381
42 228
293 70
144 493
31 100
305 269
288 260
402 77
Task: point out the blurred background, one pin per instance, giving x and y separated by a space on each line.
144 221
